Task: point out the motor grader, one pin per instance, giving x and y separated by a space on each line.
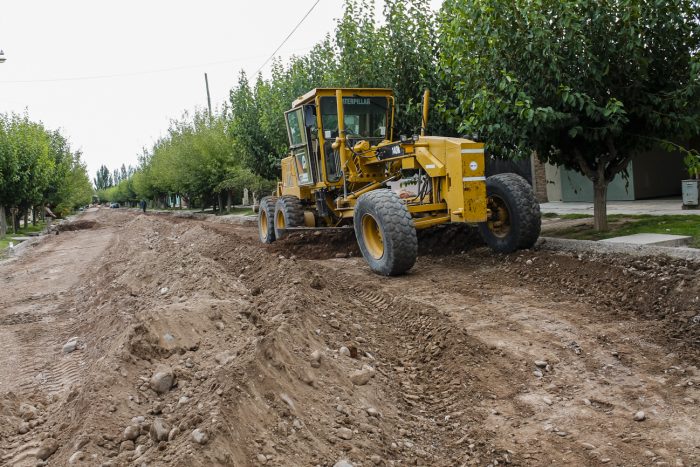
345 170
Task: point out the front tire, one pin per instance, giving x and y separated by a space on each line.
289 212
385 232
515 220
266 215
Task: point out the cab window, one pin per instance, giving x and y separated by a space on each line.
295 128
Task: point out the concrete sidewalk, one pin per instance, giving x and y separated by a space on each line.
654 207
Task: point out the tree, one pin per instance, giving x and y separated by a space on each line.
585 83
103 179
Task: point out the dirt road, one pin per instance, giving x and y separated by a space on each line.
196 345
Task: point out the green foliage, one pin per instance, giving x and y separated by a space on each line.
38 166
585 83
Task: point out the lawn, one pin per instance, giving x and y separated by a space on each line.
241 211
624 224
5 241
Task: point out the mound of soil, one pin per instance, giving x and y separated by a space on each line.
441 240
81 224
197 346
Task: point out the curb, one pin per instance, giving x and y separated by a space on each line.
590 246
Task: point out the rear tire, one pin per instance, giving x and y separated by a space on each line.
515 214
289 212
385 232
266 216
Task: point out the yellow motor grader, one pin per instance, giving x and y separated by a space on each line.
346 170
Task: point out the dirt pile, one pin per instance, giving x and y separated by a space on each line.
80 224
188 343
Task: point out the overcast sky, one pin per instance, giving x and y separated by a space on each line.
112 74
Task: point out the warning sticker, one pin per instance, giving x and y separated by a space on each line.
473 165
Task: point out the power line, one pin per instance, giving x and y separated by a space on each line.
133 73
287 38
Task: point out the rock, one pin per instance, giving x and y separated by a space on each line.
131 432
127 445
538 373
163 290
315 358
366 367
377 460
223 358
262 459
344 433
541 363
341 255
138 420
75 457
220 325
344 351
640 416
23 428
173 433
343 463
71 345
47 448
372 412
183 400
81 441
159 430
140 449
360 377
547 400
200 436
162 380
27 412
588 446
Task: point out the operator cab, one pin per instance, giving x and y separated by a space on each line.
312 128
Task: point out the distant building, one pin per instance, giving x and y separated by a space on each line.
652 174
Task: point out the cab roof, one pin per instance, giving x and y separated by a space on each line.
311 95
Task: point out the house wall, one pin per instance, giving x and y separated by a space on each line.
553 182
576 187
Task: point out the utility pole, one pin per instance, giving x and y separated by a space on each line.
206 82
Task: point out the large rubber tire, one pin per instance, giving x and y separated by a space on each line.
385 232
266 216
516 215
289 212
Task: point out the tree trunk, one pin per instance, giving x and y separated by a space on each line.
3 221
229 200
600 204
26 218
34 213
221 203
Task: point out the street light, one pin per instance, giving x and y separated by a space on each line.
2 56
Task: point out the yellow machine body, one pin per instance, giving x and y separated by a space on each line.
342 146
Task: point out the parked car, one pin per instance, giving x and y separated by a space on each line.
114 205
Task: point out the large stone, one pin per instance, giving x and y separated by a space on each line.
71 345
159 430
162 380
47 448
360 377
131 432
200 436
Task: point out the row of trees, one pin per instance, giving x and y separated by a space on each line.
583 83
37 166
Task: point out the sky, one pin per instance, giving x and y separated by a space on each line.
111 75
